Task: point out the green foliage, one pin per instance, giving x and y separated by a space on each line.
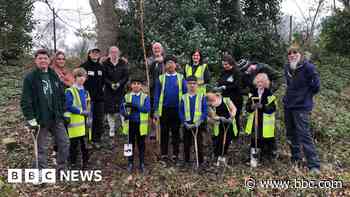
242 28
335 35
331 113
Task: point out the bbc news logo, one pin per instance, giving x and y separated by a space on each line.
49 175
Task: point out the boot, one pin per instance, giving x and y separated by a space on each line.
142 162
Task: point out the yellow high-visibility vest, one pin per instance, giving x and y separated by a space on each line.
268 121
234 126
197 109
162 79
199 74
143 116
76 127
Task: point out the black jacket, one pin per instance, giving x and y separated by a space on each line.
155 70
233 82
95 81
114 74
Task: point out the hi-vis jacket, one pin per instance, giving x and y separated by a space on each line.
233 125
168 91
199 73
266 115
78 100
139 114
193 109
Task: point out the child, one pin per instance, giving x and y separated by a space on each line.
77 99
193 113
264 102
168 92
222 113
135 110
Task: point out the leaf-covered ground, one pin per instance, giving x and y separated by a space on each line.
331 123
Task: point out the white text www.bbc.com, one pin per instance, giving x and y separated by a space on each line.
252 183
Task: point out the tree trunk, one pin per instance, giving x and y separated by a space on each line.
107 22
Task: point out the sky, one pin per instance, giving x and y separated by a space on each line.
67 10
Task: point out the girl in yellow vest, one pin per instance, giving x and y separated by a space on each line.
135 110
199 70
264 102
221 114
77 99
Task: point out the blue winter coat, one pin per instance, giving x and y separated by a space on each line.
302 84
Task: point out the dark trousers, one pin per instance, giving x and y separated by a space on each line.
218 140
189 141
299 135
97 121
169 122
266 145
238 117
134 134
73 149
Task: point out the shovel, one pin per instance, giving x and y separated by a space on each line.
195 133
35 133
254 152
221 158
128 146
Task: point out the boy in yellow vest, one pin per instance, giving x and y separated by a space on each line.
168 92
263 102
77 100
135 110
193 114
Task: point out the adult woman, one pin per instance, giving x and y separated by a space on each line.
64 74
198 69
230 85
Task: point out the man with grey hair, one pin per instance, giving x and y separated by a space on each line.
116 77
157 67
156 63
303 82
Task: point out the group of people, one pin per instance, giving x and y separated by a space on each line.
73 105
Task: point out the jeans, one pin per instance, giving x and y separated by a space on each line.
299 136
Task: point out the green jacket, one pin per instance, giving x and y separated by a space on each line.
33 101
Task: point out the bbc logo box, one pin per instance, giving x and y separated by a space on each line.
31 175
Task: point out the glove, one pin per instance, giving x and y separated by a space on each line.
188 126
32 124
85 113
227 120
66 121
115 86
219 89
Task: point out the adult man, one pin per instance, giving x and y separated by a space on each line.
42 104
302 84
95 86
157 67
116 77
254 68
